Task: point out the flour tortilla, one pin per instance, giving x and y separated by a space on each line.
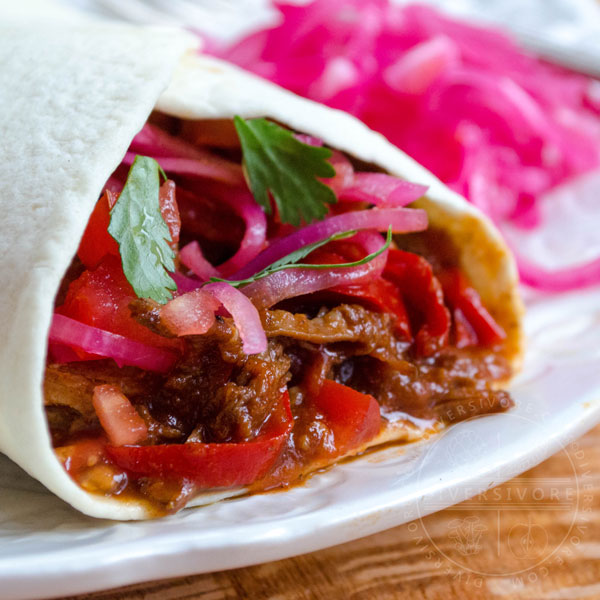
73 97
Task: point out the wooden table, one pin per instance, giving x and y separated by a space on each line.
545 524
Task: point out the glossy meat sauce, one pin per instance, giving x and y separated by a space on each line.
218 394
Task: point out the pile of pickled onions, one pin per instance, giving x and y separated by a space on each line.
495 123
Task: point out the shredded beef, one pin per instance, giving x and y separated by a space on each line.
216 393
358 347
68 390
72 384
361 331
452 386
229 393
147 313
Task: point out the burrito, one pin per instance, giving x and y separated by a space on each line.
211 286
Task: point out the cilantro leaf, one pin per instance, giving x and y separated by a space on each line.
290 261
275 161
137 225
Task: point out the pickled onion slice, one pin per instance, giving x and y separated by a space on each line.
290 283
118 417
122 350
191 256
420 66
244 313
207 167
402 220
558 280
382 190
255 235
192 313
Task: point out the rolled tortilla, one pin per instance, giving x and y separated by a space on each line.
73 97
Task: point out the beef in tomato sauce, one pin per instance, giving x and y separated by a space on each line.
228 389
217 394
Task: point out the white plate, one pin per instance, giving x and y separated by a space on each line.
47 548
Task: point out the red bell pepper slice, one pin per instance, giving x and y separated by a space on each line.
170 211
211 465
353 417
462 297
464 334
380 295
96 242
101 298
414 277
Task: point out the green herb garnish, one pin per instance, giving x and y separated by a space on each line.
291 260
137 225
275 161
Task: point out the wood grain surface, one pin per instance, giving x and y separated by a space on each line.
537 536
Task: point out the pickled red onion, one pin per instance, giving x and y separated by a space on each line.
558 280
417 68
344 173
154 141
402 220
207 167
191 256
185 284
290 283
121 349
255 235
244 313
254 240
192 313
309 139
382 190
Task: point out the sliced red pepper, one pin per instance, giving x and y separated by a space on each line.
101 298
170 211
380 295
407 277
464 298
82 454
464 334
414 277
211 465
96 242
353 417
